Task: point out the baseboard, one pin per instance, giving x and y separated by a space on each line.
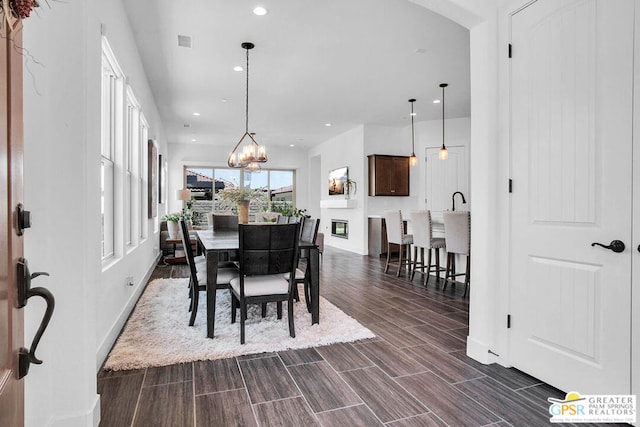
91 418
105 347
481 352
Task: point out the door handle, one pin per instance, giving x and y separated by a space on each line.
28 356
615 245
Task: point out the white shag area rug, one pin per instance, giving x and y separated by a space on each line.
158 331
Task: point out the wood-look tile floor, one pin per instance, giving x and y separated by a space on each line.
414 373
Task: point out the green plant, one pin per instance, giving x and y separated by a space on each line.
173 217
286 209
235 194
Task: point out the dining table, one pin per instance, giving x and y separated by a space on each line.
221 245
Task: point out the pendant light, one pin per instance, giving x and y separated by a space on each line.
444 154
413 160
252 153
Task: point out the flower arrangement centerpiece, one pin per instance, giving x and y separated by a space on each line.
16 9
241 197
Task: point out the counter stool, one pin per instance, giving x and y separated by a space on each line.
423 239
457 231
397 236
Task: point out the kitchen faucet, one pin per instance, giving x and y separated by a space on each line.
453 199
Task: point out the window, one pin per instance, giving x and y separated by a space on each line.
112 81
205 183
143 130
131 170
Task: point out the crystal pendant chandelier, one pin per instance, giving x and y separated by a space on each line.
251 154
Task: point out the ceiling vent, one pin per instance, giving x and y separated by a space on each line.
184 41
187 125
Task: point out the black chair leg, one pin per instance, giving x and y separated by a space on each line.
426 279
292 329
437 250
234 307
243 317
264 309
279 308
194 305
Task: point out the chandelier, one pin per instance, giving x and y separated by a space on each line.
251 154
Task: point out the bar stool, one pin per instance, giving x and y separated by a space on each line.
397 236
457 231
423 239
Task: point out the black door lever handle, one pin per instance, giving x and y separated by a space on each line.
616 246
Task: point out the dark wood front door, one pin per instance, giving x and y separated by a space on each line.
11 319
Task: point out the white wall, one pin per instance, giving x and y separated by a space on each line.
62 189
345 149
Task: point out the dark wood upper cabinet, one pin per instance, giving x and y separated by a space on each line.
388 175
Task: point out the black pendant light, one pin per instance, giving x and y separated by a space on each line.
413 160
252 153
444 154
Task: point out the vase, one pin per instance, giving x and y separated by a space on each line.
243 211
172 228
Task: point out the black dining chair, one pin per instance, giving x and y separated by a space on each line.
266 253
308 234
198 274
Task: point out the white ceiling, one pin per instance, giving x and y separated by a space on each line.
345 62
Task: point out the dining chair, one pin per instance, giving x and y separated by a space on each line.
396 236
198 275
266 253
423 239
309 234
282 220
225 222
320 244
457 234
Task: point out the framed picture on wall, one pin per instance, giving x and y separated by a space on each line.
162 180
337 179
152 167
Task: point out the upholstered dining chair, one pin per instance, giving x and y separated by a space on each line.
198 274
225 222
423 239
266 253
457 232
397 236
309 234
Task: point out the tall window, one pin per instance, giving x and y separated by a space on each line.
143 130
112 81
205 183
131 208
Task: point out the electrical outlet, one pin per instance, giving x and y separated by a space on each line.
129 281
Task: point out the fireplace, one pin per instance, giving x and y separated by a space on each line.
340 228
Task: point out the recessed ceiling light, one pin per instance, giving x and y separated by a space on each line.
327 124
224 99
238 68
187 125
193 140
436 101
260 11
292 145
412 114
196 114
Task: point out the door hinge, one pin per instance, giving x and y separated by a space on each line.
510 50
508 321
510 185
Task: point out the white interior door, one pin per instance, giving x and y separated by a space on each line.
444 177
571 147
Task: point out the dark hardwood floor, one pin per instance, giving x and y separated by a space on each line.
414 373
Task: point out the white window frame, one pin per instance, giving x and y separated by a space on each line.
131 171
111 139
143 129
